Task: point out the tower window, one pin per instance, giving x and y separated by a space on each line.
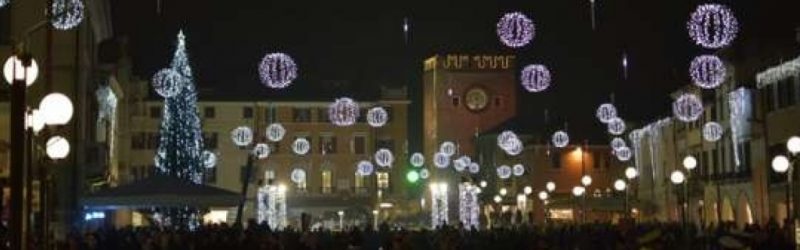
456 101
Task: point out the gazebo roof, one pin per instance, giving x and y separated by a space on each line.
161 191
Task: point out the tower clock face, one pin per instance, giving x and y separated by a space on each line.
476 99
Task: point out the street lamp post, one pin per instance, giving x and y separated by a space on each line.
677 177
543 195
375 219
341 220
689 163
620 185
579 191
630 173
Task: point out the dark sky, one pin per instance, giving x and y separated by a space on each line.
362 42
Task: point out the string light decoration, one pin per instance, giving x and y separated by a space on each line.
617 143
707 71
441 160
417 159
301 146
740 108
515 147
365 168
377 117
518 170
778 73
261 151
343 112
616 126
606 112
515 30
462 163
242 136
384 158
3 3
535 78
505 139
277 70
272 206
209 159
560 139
439 212
468 208
168 82
712 131
298 175
623 154
504 172
687 108
275 132
66 14
474 168
424 174
448 148
712 26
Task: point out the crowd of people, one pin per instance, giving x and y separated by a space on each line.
551 236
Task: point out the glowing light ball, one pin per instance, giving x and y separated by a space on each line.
505 139
424 174
384 158
631 172
689 162
168 82
560 139
712 131
275 132
242 136
343 112
780 164
504 172
66 14
298 175
793 144
616 126
712 26
550 186
377 117
462 163
518 170
617 143
606 112
474 168
586 180
417 160
515 30
261 151
209 159
14 70
365 168
57 148
448 148
623 153
277 70
620 185
535 78
441 160
56 109
515 147
543 195
578 191
677 177
301 146
707 71
687 108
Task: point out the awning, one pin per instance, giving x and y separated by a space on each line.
161 191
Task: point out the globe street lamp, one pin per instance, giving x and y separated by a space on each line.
631 173
527 190
781 165
689 163
677 177
550 186
620 185
341 220
543 195
578 192
586 180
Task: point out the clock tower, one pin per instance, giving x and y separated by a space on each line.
464 95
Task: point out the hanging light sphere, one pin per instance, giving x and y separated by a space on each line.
441 160
377 117
57 148
518 170
448 148
631 172
793 144
14 69
616 126
780 164
677 177
504 172
620 185
550 186
707 71
384 158
423 173
535 78
56 109
586 180
560 139
505 139
543 195
712 131
209 159
298 175
242 136
515 30
462 163
261 151
66 14
687 108
277 70
474 168
712 26
3 3
365 168
606 112
417 159
168 82
623 154
617 143
343 112
515 147
301 146
275 132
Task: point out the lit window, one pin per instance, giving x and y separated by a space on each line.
269 175
383 180
326 181
359 183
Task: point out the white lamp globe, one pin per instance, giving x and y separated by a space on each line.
780 164
35 121
543 195
28 74
56 108
528 190
793 144
689 162
503 191
586 180
620 185
631 172
57 148
677 177
497 199
551 186
482 184
578 191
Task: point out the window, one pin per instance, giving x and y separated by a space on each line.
326 182
152 140
210 175
322 116
209 112
301 115
383 180
359 183
269 176
456 101
210 140
389 114
155 112
327 144
274 148
359 144
138 140
5 26
385 143
362 115
247 112
497 101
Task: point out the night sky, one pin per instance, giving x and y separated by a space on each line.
352 47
